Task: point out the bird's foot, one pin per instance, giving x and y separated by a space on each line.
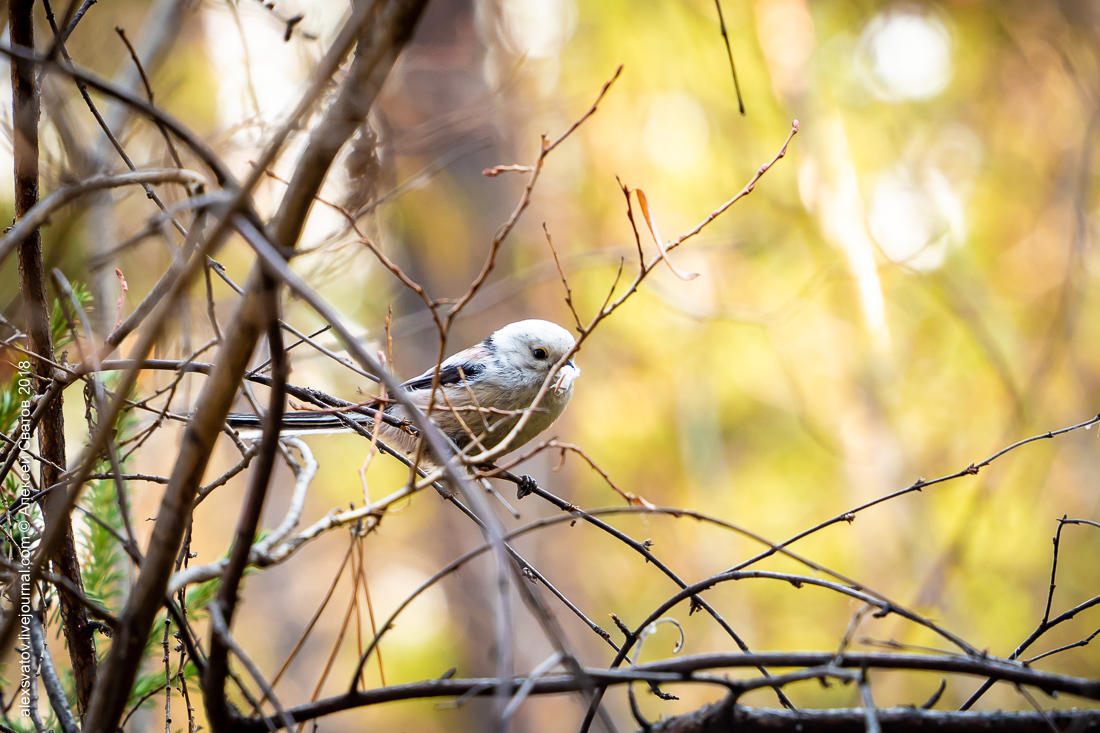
526 485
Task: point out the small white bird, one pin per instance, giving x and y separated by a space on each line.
483 391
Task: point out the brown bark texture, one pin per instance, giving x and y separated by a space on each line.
32 286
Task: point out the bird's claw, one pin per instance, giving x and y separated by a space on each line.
525 486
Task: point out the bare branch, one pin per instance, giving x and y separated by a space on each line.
686 669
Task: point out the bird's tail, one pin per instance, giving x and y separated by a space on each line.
297 423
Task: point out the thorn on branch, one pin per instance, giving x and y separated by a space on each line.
626 632
660 693
931 702
973 469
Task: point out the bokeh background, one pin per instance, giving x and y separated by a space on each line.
911 289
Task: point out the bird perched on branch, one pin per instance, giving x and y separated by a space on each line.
481 395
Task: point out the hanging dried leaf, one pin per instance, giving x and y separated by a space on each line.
643 203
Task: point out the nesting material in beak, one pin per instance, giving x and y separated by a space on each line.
566 377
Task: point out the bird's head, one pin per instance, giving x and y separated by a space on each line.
533 347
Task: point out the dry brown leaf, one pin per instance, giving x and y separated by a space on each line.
636 500
644 204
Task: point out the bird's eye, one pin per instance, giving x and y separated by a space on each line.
540 353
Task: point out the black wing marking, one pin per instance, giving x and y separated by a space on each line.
448 374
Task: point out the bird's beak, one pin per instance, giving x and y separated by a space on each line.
566 376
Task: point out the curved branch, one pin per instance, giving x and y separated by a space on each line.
917 485
158 116
40 214
685 669
127 651
261 553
